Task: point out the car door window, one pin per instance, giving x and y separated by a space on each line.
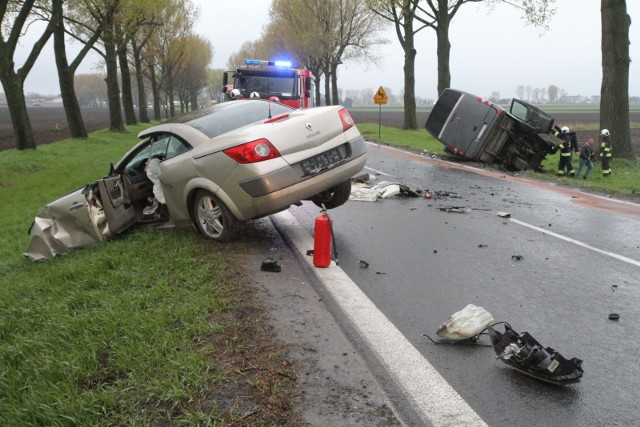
175 146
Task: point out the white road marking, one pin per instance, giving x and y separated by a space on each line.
433 398
377 171
579 243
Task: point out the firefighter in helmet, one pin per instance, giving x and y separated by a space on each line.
565 146
605 152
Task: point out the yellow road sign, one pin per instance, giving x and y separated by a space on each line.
380 96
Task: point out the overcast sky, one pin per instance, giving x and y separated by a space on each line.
490 51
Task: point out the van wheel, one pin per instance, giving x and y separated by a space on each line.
212 218
334 197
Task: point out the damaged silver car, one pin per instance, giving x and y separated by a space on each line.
211 169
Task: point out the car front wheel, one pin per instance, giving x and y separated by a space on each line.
212 218
334 197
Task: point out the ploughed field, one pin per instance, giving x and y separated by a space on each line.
49 123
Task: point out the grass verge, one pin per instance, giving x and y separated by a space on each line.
624 182
154 328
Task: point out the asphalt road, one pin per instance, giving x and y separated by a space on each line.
579 262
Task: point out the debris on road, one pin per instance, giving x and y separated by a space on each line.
517 257
466 324
456 209
269 264
525 354
614 316
363 192
504 214
519 350
364 264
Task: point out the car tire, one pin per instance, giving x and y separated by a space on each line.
212 218
334 197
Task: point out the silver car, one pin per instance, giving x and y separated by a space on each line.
213 169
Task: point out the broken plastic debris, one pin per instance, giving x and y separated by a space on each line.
525 354
466 323
517 257
384 190
364 264
270 264
504 214
456 209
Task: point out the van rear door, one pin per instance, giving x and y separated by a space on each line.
467 123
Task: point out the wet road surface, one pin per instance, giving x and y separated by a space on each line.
580 261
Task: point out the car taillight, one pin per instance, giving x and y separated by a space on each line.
253 152
345 118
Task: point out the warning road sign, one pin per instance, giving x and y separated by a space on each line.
380 97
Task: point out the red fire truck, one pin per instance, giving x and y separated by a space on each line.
268 79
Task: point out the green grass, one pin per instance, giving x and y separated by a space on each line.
419 140
624 181
113 335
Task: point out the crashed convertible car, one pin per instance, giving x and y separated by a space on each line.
213 168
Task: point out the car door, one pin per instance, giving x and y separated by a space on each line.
537 121
118 210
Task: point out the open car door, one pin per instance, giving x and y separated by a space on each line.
118 210
537 120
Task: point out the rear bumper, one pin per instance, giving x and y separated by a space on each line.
294 174
277 190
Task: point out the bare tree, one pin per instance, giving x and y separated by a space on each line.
14 17
553 91
614 92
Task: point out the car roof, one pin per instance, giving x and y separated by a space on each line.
220 118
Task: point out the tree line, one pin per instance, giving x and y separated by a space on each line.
142 43
153 38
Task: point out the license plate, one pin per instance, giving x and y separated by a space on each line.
323 161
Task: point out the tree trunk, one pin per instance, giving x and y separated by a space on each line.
443 51
113 91
70 102
127 96
14 93
194 100
334 84
155 92
142 95
410 119
327 88
614 92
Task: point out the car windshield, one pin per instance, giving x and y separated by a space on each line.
227 116
282 87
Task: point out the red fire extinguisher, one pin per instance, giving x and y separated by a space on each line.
322 232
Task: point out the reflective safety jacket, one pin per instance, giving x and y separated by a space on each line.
605 147
565 146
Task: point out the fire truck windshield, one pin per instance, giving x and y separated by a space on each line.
282 87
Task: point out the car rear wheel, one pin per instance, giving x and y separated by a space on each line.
334 197
212 218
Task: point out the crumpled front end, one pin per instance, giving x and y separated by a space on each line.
73 221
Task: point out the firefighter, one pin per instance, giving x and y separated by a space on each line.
564 166
605 152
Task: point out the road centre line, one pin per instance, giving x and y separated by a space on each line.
577 242
433 398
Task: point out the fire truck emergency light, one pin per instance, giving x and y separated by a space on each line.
285 64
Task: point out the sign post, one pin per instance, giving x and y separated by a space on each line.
380 98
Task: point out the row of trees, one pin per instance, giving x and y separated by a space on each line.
324 33
139 41
154 35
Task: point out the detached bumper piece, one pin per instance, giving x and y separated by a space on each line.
524 353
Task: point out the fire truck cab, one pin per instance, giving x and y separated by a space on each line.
268 79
